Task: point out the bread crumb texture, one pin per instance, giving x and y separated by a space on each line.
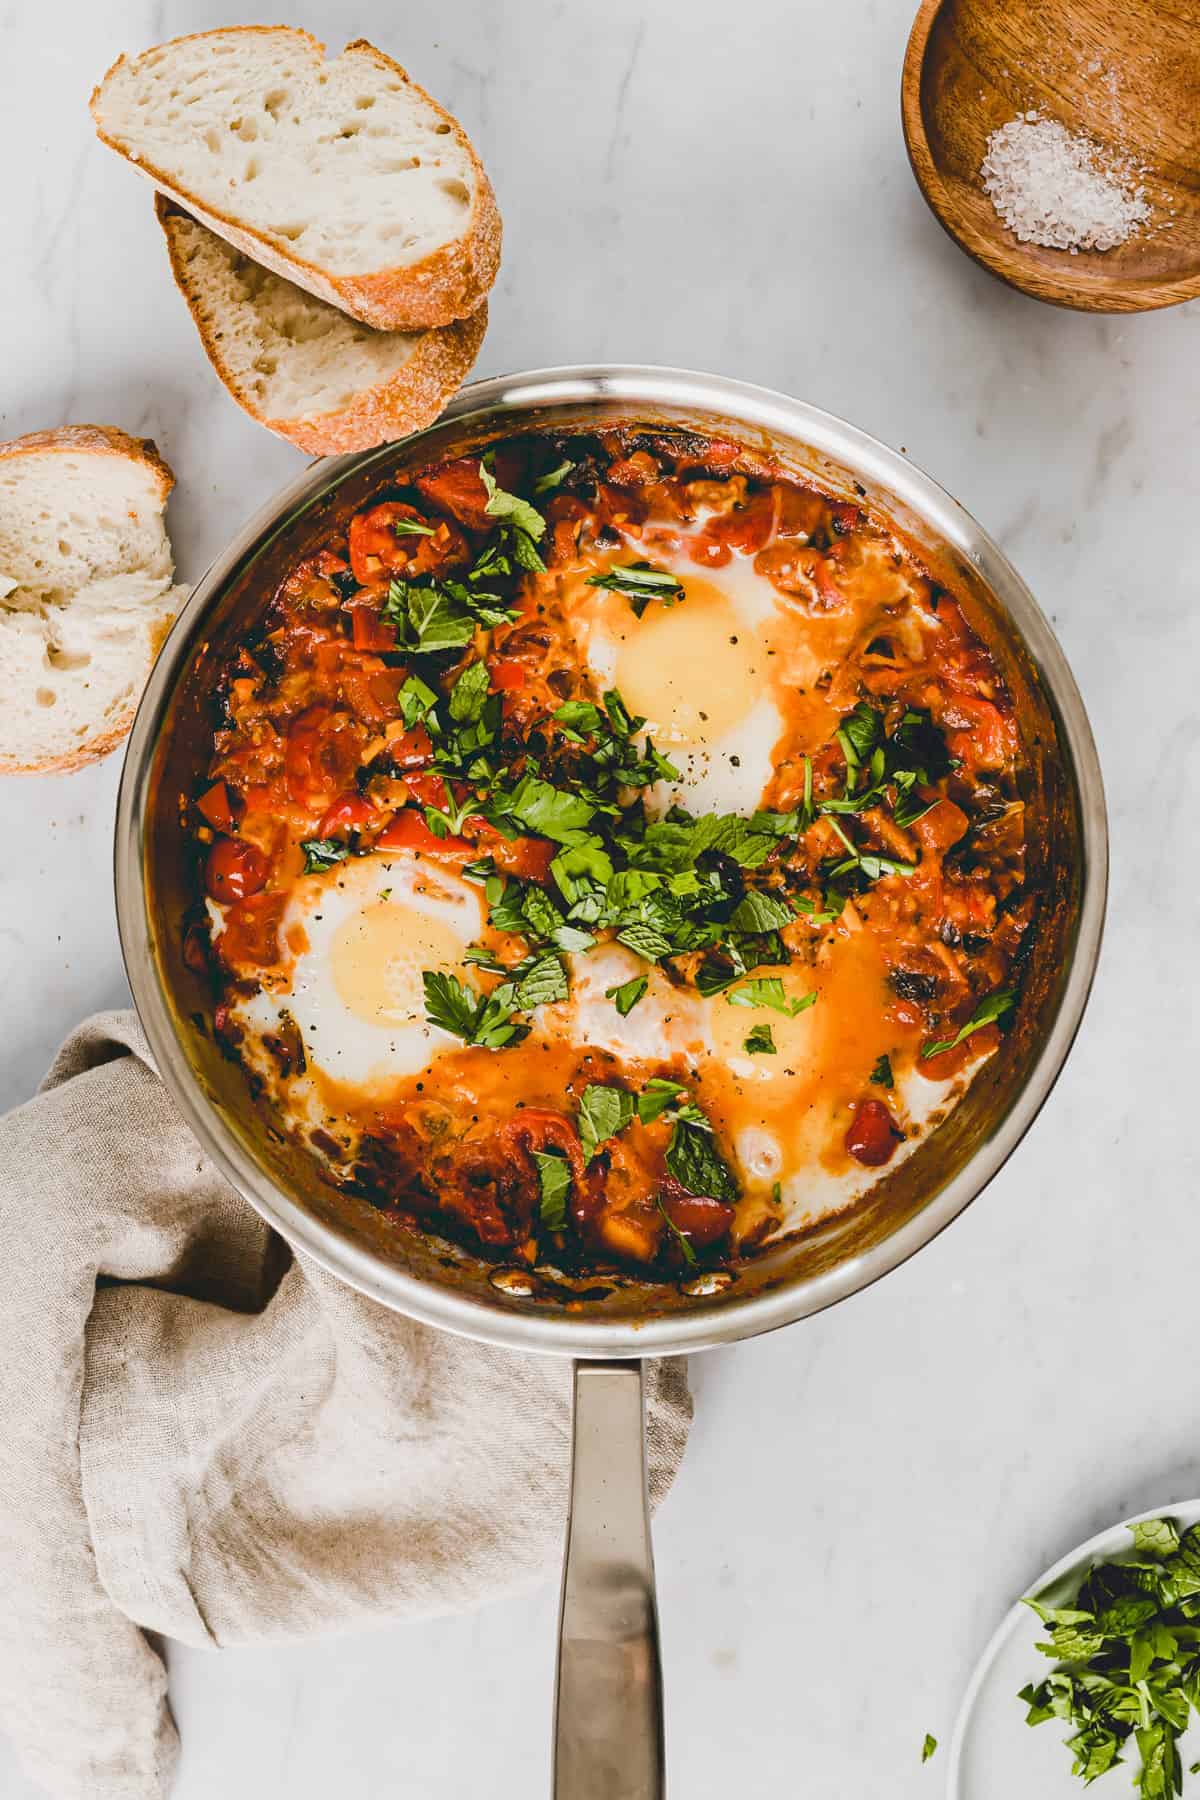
86 591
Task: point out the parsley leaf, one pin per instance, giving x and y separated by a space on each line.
449 1004
881 1074
760 1042
640 582
626 996
554 1181
546 810
928 1747
994 1007
767 990
427 619
322 853
603 1111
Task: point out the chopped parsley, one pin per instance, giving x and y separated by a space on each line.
881 1075
411 528
483 1020
760 1042
928 1747
767 990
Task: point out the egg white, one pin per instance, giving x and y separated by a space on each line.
360 937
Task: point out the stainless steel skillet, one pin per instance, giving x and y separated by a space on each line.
609 1713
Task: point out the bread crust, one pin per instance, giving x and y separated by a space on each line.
443 287
407 401
93 440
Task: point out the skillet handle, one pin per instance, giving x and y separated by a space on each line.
608 1724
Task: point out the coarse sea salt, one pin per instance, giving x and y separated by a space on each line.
1055 187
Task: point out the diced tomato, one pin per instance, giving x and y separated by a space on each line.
983 737
747 528
426 789
941 826
541 1128
526 857
408 831
215 807
322 754
457 488
411 750
708 552
508 675
380 547
235 870
349 813
700 1218
370 631
636 471
873 1135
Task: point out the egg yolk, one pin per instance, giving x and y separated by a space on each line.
797 1038
379 955
694 670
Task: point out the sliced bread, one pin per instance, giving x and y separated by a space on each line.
301 367
85 591
342 175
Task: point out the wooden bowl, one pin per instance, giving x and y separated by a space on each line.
1126 73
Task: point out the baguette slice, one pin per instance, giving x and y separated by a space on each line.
299 366
344 176
85 591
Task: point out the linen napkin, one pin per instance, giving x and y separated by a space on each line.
206 1436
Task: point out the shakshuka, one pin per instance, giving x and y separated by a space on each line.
611 851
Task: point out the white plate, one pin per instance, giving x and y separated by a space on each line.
994 1755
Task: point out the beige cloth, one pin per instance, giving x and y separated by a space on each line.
208 1437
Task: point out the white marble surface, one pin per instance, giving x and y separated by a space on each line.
863 1494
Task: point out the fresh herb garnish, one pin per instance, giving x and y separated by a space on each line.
553 478
688 1254
760 1042
768 990
641 583
1127 1650
417 701
554 1182
694 1160
991 1009
323 853
626 996
411 528
603 1111
484 1020
928 1747
881 1074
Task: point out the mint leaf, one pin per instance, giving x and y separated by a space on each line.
603 1111
1155 1537
995 1006
469 693
657 1095
554 1182
757 911
544 982
881 1075
417 701
411 528
553 478
697 1165
767 990
689 1255
760 1042
626 996
549 811
640 582
510 507
322 853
